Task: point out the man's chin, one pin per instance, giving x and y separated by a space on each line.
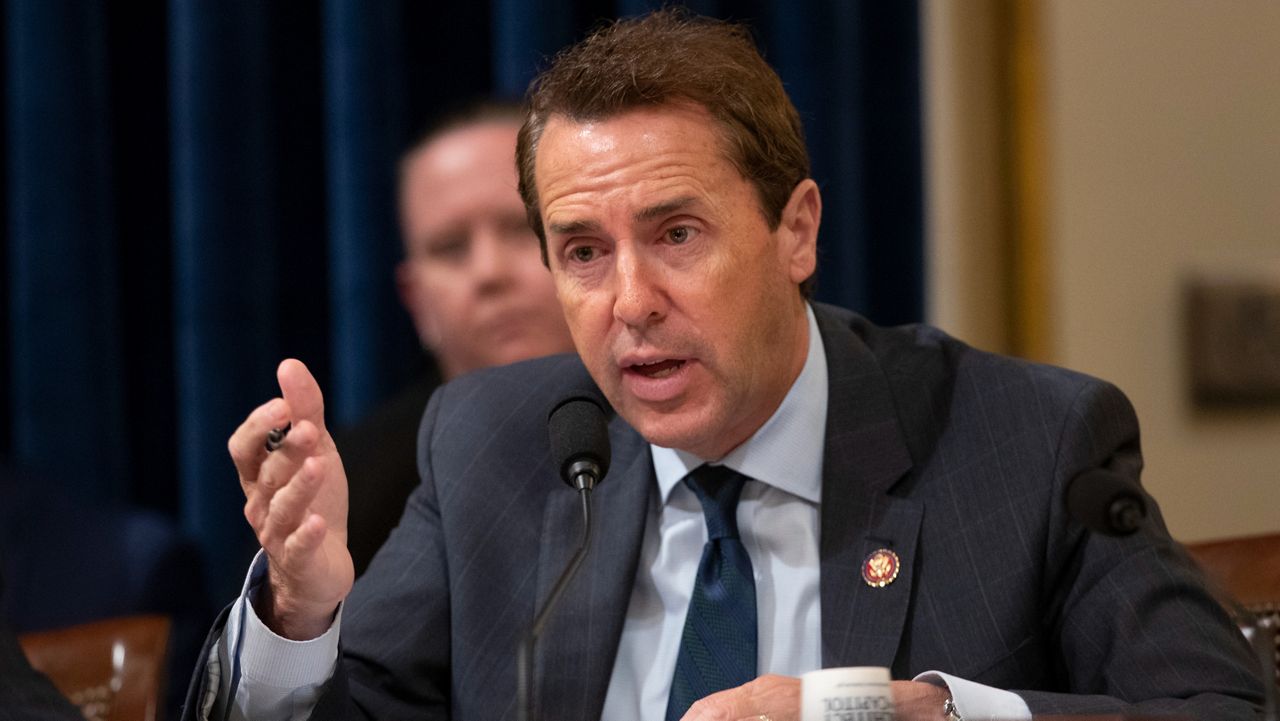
680 431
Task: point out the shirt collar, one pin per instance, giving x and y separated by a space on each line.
785 452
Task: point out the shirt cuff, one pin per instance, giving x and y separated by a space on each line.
976 702
272 660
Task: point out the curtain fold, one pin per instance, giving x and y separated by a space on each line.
364 117
524 35
194 190
824 77
67 405
224 259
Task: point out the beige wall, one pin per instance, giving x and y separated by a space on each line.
1163 141
964 175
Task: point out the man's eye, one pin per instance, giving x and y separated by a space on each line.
582 254
680 234
450 250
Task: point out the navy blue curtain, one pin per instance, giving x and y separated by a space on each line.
194 190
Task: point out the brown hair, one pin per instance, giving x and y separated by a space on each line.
671 56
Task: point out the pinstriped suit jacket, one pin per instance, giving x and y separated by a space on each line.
954 458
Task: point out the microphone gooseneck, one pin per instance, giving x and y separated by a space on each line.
1106 502
579 435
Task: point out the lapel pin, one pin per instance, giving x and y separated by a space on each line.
881 568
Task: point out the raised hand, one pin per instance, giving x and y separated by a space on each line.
296 502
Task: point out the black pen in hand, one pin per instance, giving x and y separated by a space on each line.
275 436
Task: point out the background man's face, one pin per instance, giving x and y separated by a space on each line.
682 302
473 278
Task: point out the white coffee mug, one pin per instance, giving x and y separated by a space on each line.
854 693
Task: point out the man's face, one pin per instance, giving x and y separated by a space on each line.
473 278
682 302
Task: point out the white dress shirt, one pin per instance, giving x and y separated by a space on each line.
778 520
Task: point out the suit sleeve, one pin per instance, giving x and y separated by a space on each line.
1136 629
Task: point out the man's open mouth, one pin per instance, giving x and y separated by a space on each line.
657 369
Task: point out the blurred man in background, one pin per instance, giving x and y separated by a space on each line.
473 281
67 560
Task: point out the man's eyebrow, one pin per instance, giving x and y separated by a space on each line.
666 208
574 227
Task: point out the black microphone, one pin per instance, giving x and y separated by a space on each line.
579 434
1106 502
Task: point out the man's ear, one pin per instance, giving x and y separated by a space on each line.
798 231
405 286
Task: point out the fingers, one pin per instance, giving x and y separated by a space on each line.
772 696
294 462
302 401
246 445
308 536
278 514
301 392
285 518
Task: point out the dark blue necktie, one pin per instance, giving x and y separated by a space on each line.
718 647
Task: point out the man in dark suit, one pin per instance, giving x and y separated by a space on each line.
68 561
858 495
25 694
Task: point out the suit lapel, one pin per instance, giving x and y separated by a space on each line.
575 654
865 455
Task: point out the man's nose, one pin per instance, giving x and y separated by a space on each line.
641 297
490 257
